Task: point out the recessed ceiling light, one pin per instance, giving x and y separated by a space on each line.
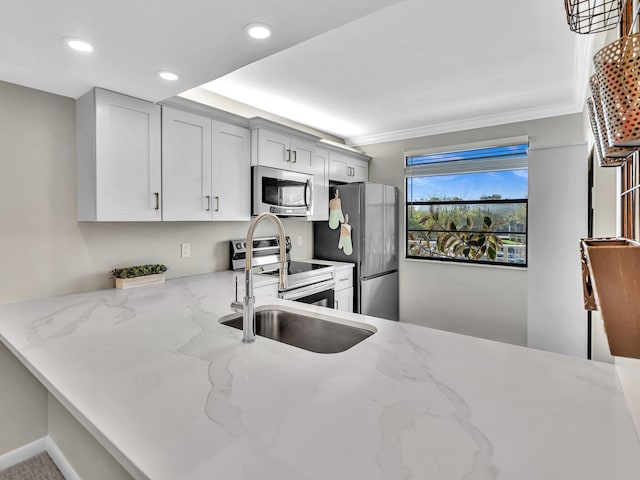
77 44
167 75
258 31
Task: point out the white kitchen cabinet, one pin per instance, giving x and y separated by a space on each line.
261 288
118 158
343 291
206 170
186 166
320 203
231 172
348 167
277 146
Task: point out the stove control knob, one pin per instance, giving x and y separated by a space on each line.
238 245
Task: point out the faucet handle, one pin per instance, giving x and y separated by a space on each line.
237 306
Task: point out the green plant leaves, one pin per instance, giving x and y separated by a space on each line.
138 271
478 245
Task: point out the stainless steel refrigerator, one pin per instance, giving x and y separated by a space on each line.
363 229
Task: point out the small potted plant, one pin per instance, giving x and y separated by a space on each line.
129 277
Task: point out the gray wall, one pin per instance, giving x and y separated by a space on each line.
88 458
451 296
23 404
558 193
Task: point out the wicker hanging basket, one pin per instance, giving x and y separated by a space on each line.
593 16
617 68
607 155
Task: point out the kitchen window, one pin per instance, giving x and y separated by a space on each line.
468 205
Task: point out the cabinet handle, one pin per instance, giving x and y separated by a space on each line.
217 203
295 156
157 195
208 197
288 159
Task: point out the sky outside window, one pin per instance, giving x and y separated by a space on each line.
509 184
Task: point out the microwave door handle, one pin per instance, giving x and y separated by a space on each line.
308 193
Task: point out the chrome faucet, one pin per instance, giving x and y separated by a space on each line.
247 305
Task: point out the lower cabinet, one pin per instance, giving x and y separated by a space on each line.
266 290
343 292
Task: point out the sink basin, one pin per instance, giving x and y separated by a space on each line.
303 330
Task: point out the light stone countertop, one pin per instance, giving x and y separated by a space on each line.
174 395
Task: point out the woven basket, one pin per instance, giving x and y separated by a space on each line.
618 73
607 156
592 16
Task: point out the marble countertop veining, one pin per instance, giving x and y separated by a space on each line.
173 394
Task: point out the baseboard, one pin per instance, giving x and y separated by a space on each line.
60 460
32 449
23 453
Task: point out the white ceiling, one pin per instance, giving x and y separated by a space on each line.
133 39
364 70
423 67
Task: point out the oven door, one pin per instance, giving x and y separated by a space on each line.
281 192
317 294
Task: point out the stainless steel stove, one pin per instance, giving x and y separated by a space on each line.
307 282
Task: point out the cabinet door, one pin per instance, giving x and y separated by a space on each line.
338 167
302 155
320 204
186 163
343 300
344 278
359 171
231 172
127 158
274 149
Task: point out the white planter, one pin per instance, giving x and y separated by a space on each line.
140 281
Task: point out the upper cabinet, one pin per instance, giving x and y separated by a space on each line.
348 166
184 161
231 172
118 157
205 168
277 146
186 166
320 204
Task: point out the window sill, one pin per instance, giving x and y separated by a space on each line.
467 264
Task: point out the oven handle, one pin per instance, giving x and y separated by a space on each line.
308 290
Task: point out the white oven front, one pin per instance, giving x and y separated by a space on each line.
321 294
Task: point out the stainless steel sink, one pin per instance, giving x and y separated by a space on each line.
304 331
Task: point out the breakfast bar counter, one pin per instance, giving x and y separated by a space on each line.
174 395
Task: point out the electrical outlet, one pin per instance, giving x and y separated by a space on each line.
185 250
299 240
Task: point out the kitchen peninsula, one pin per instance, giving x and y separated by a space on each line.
173 394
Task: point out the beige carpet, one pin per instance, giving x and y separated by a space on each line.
40 467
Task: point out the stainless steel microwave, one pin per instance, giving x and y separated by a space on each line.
281 192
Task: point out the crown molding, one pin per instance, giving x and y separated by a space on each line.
468 124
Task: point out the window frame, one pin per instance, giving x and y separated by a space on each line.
411 171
